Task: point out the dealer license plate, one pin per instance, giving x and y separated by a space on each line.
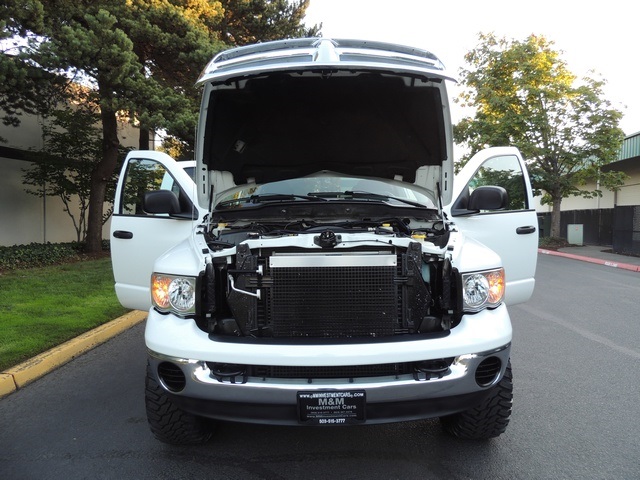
331 407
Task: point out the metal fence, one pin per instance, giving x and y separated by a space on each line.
618 227
597 224
626 230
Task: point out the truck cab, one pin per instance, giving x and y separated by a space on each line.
324 268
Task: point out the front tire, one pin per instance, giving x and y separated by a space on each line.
168 423
487 420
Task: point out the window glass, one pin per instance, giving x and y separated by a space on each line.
504 172
328 183
144 176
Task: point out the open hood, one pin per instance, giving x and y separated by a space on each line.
288 109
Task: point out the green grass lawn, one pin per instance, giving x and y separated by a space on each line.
43 307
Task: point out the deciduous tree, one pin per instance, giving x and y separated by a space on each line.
524 95
72 145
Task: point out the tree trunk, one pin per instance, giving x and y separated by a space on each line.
99 178
143 140
555 216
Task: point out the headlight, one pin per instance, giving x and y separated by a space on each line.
172 293
482 289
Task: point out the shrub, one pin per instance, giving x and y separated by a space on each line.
552 243
37 255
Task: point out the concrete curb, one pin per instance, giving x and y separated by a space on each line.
598 261
17 377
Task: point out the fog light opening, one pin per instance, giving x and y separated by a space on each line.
171 377
488 371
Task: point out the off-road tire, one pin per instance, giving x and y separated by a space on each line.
487 420
168 423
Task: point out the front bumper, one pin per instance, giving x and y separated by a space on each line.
388 399
480 339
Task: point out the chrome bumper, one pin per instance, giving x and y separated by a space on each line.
274 401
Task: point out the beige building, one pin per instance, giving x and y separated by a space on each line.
25 218
629 194
612 219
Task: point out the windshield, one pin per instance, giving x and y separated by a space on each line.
327 187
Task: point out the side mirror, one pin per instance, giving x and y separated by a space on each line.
161 201
488 198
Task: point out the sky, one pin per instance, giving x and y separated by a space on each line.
599 39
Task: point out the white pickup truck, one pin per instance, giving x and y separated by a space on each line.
323 268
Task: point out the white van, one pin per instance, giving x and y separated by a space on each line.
323 269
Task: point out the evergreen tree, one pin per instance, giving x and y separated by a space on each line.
115 47
24 88
252 21
140 57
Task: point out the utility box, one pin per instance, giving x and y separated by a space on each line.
575 233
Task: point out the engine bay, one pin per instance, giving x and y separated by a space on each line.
314 280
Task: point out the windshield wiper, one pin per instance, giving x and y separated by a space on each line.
268 197
366 196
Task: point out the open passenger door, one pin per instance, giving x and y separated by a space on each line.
139 237
510 232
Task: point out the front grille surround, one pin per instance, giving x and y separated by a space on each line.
330 294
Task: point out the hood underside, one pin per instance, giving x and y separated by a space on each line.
279 117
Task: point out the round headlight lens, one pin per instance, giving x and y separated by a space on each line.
182 294
483 289
173 294
476 290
